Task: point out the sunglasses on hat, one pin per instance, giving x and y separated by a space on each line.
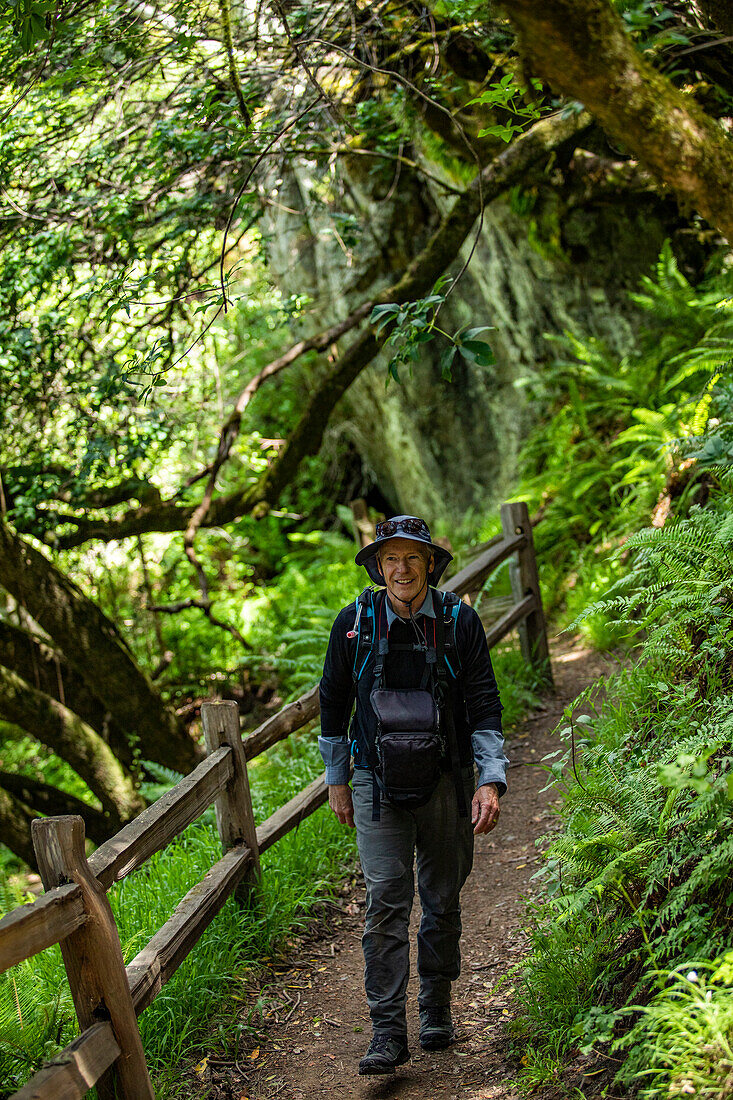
410 526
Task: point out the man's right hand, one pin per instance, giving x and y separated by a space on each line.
339 799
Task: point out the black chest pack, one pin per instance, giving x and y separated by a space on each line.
415 739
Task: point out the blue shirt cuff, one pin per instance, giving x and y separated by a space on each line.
488 754
336 753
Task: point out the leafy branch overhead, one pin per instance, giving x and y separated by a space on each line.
414 324
112 254
176 180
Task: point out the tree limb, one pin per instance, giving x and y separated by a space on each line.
418 279
62 731
15 828
42 798
47 671
95 650
583 50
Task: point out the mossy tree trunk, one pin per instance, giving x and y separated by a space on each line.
582 48
47 671
96 652
62 731
42 798
15 827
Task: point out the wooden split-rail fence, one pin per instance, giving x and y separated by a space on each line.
75 912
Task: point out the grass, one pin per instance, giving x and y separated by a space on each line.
36 1013
682 1043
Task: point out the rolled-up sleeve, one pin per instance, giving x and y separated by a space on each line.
482 700
488 755
336 754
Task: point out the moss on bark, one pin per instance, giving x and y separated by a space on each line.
93 647
46 670
15 827
583 50
73 740
42 798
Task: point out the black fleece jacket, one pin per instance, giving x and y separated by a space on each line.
473 696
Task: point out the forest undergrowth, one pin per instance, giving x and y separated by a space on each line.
631 960
629 954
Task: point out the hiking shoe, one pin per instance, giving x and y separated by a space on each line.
436 1027
385 1054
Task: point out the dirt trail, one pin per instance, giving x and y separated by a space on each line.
315 1022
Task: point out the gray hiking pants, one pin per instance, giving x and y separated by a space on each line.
443 842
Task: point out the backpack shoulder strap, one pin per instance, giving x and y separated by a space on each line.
365 629
449 611
445 699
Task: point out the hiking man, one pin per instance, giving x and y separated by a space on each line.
416 664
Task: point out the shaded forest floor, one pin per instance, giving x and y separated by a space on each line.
307 1011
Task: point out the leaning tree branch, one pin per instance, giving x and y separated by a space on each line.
96 651
583 50
15 827
45 799
62 731
204 605
418 279
35 661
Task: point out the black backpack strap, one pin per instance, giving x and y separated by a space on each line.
363 630
451 608
380 649
447 709
380 642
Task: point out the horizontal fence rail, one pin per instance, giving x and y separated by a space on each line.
157 963
74 912
291 718
160 823
34 927
476 572
79 1066
292 813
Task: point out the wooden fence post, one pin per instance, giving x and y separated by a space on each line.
363 526
93 956
234 815
525 581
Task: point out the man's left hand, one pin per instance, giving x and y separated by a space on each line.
485 809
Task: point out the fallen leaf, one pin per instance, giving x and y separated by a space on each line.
255 1054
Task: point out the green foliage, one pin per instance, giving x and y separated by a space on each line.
621 431
514 100
680 584
289 622
36 1013
638 879
681 1045
415 324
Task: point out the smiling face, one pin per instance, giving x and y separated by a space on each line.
405 565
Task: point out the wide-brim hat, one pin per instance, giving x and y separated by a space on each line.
403 527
